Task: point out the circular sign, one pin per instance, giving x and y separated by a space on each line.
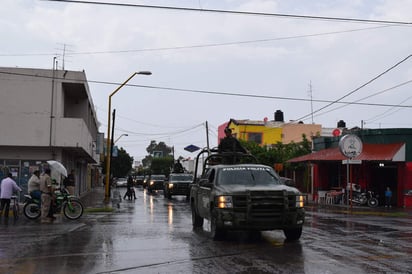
336 132
350 146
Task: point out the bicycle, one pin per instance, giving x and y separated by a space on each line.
15 207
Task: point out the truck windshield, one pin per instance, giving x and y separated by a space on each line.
252 176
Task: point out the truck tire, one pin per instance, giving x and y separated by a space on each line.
293 234
197 221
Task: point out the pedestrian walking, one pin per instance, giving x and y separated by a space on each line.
7 187
388 197
130 193
46 196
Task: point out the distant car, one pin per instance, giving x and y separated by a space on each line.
178 184
155 182
139 180
145 181
121 182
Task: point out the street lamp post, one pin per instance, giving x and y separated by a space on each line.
124 134
108 143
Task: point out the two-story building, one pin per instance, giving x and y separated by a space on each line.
269 132
48 114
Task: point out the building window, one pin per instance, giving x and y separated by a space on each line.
255 137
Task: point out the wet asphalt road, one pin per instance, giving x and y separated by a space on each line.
154 235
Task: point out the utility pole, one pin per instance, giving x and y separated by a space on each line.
111 149
311 100
207 136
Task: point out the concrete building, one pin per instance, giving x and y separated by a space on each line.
270 132
48 115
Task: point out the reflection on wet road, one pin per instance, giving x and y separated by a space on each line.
154 235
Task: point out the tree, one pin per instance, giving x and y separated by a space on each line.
162 165
159 148
120 165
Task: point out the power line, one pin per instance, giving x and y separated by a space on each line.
356 89
367 97
207 45
311 17
196 91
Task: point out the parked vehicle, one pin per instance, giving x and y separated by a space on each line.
244 195
178 184
365 198
155 182
70 205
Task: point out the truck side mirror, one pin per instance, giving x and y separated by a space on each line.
206 183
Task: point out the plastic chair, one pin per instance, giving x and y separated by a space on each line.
330 199
321 196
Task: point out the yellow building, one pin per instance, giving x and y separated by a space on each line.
265 132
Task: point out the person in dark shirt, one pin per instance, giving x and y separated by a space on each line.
230 143
130 193
178 168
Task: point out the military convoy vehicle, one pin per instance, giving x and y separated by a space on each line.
235 193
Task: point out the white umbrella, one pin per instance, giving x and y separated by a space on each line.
57 166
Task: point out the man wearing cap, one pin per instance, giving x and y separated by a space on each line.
46 196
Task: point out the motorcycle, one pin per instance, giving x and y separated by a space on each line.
365 198
70 205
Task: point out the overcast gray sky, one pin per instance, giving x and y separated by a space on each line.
203 61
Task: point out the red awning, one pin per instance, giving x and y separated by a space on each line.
370 152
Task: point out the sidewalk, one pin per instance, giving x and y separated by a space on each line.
95 198
363 210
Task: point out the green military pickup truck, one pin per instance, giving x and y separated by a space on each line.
235 193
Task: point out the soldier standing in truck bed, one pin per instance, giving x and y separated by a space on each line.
230 143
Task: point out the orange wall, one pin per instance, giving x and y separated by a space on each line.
293 132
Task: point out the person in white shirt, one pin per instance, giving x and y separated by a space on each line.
7 187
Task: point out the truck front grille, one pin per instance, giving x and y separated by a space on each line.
264 206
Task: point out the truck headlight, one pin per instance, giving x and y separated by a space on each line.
224 202
300 201
170 186
151 183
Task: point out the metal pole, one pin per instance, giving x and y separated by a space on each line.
109 148
207 135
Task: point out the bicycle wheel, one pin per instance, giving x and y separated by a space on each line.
16 210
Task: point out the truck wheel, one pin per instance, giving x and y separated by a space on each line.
217 233
197 221
292 234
